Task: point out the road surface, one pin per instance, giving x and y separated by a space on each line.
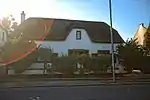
101 92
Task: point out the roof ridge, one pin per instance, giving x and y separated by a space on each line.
67 19
95 29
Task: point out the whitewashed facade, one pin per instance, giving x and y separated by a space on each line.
61 47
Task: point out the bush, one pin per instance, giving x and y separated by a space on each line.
24 63
98 63
10 51
65 64
131 53
145 64
44 53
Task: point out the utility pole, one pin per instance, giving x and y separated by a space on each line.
112 43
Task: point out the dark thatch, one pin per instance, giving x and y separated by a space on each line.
98 32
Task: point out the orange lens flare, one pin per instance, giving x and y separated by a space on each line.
47 27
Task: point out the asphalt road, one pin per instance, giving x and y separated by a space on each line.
112 92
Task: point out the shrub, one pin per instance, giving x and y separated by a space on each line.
145 64
98 63
131 53
24 63
65 64
44 53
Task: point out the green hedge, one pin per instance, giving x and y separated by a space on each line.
66 64
24 63
145 64
97 63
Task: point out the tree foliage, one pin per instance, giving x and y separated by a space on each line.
9 23
147 38
95 63
68 64
24 63
44 54
131 54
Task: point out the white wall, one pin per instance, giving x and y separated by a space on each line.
72 43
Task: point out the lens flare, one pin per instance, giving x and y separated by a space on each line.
47 27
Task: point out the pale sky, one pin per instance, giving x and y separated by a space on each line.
39 8
127 14
32 8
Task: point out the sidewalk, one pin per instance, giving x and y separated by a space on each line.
32 81
49 78
62 83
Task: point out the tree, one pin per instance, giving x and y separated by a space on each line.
131 53
24 63
45 55
8 24
147 38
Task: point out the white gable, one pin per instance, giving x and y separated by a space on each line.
72 43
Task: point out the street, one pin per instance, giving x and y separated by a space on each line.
101 92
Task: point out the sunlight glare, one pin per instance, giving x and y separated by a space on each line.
31 7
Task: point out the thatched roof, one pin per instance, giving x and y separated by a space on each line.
52 30
97 31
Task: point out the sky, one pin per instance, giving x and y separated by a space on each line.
126 14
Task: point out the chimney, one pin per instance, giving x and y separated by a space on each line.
22 16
